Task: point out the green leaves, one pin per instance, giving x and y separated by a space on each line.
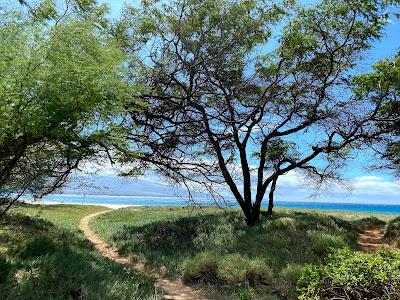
359 275
61 89
385 76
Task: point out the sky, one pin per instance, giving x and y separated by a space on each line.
362 186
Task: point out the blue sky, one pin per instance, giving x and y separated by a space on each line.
363 186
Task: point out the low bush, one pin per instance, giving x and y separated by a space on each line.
287 280
353 275
393 230
283 223
202 247
202 267
323 242
229 269
234 269
5 269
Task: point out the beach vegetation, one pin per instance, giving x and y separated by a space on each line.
345 274
219 110
217 251
44 256
61 73
392 232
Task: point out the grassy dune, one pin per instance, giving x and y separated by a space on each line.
218 251
44 256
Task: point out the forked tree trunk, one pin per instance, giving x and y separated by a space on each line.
253 216
252 211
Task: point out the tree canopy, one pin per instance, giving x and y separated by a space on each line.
58 75
210 93
239 93
384 82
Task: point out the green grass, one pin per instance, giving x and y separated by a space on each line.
218 251
66 216
44 256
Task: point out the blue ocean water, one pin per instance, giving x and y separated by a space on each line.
174 201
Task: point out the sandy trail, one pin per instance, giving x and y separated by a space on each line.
372 239
169 289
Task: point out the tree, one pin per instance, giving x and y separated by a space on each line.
384 82
59 77
232 98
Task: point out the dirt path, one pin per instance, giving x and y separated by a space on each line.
372 238
167 288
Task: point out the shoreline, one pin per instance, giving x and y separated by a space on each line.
112 206
289 205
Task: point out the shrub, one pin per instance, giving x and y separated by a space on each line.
37 247
234 268
323 242
348 275
393 229
246 293
202 267
230 269
220 237
278 240
284 223
287 280
5 269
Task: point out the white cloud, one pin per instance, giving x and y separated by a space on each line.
375 185
291 187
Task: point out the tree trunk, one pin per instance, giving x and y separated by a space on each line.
253 216
271 199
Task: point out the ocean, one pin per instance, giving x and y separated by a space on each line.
174 201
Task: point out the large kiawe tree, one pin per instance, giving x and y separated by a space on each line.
239 93
60 74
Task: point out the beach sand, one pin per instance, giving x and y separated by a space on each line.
112 206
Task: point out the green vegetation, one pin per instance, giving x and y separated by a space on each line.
60 79
237 91
43 256
348 275
393 230
185 87
217 250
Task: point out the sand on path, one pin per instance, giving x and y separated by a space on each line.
168 288
372 238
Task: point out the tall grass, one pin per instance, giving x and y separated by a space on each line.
217 250
43 256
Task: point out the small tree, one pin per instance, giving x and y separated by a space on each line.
59 76
242 92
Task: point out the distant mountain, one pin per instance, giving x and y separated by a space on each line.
120 186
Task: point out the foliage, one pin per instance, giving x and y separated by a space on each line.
202 267
5 268
246 294
393 230
323 242
58 88
217 103
229 269
353 275
40 259
385 80
287 279
37 247
217 250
